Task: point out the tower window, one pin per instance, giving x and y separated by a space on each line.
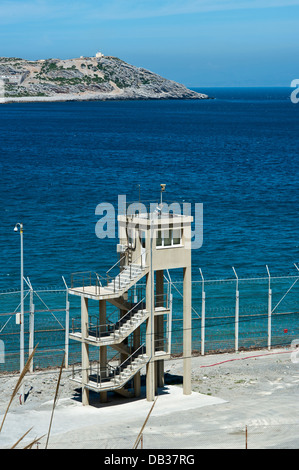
169 237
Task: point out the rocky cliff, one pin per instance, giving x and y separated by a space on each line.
86 78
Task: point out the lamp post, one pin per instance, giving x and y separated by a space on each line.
22 362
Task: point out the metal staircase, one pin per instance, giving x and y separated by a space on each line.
115 333
125 279
112 285
115 377
112 288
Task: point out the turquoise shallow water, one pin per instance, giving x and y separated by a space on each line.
236 154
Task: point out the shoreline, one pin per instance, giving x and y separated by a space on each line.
69 98
116 95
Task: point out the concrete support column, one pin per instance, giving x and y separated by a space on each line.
159 288
103 349
160 373
84 350
187 334
159 327
150 332
137 378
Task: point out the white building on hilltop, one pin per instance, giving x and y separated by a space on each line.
99 55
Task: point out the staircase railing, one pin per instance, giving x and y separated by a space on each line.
101 330
116 280
129 360
109 278
161 346
102 376
87 280
130 314
162 300
93 283
142 264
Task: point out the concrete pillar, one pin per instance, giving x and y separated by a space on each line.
84 350
187 333
160 373
159 327
103 349
159 288
137 378
150 331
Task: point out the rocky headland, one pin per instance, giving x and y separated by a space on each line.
85 78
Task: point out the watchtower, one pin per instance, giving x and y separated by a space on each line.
153 239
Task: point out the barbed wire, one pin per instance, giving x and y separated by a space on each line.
252 312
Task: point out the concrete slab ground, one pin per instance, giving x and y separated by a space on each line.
256 391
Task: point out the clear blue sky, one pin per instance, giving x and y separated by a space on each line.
195 42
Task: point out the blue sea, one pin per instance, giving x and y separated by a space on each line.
236 154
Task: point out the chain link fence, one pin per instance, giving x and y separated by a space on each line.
227 315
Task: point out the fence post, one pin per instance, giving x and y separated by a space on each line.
67 317
203 314
31 324
269 309
67 327
237 313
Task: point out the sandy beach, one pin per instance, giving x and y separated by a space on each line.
257 390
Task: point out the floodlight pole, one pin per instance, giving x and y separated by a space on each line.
22 350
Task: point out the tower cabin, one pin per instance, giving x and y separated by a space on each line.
150 243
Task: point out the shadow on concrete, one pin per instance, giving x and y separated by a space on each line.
114 398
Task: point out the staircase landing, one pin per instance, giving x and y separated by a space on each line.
115 287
